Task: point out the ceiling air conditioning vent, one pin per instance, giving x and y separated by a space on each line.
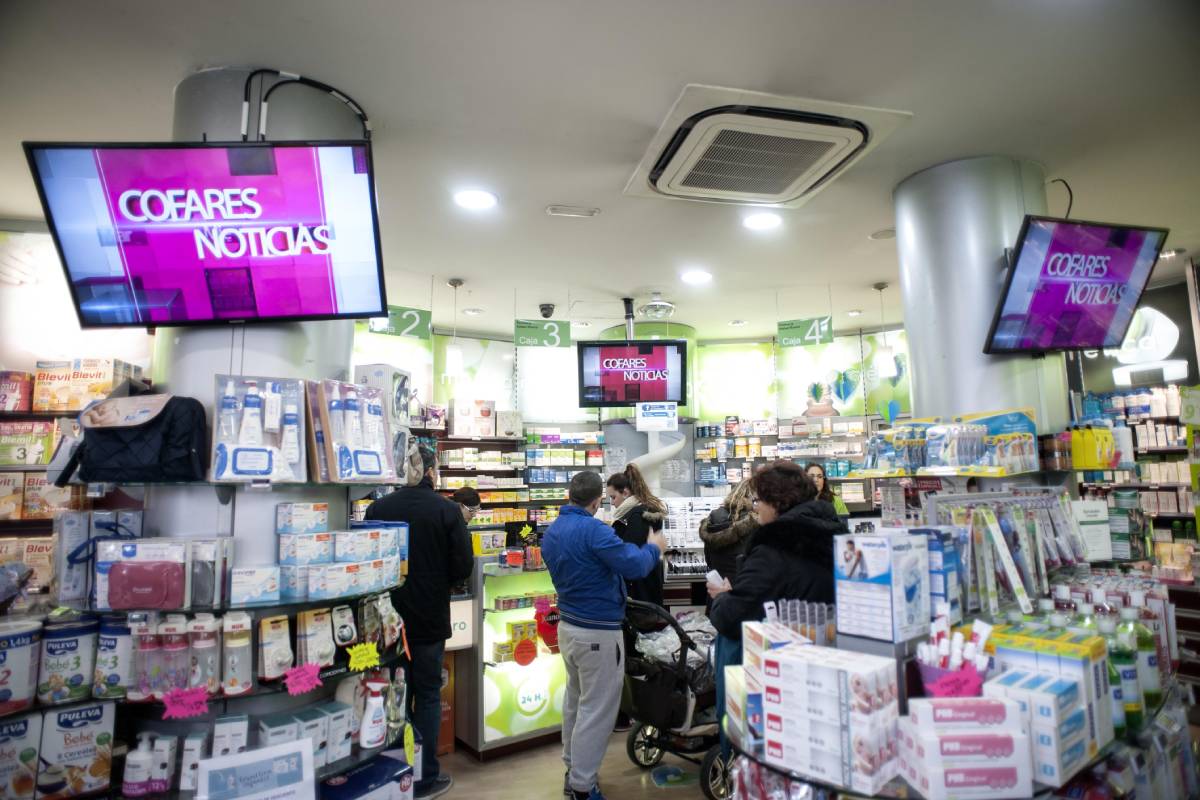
729 146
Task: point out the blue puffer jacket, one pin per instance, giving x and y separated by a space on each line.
589 565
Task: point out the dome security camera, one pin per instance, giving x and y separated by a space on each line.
547 310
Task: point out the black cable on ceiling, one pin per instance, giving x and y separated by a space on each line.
1070 195
291 77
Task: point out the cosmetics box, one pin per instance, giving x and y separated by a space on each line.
302 549
330 581
508 424
254 585
12 495
975 713
230 735
195 750
882 585
76 750
302 518
339 719
162 776
472 418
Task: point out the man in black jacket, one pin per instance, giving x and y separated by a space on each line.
439 556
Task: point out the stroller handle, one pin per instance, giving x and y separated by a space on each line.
685 641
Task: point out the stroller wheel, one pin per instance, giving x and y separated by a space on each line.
641 746
714 775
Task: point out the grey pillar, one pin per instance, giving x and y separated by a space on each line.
953 223
208 106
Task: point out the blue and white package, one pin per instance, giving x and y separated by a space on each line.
882 585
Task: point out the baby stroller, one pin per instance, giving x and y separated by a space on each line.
672 703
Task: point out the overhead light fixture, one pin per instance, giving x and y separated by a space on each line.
472 312
571 211
454 351
882 234
762 221
854 312
657 308
1178 251
737 323
476 199
885 359
696 277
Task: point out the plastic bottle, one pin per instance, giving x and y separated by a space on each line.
397 701
1142 640
1062 599
1174 401
1149 618
353 422
205 645
237 666
1085 620
173 657
227 418
1124 658
290 438
1100 603
1045 609
373 429
146 646
1124 443
251 432
139 766
372 732
1117 699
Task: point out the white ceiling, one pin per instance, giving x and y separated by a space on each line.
555 102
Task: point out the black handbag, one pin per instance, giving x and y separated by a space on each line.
149 438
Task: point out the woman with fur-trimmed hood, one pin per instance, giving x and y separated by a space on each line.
636 512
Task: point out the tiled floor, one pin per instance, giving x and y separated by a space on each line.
538 775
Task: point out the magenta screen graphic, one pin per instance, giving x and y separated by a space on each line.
170 235
625 373
1075 285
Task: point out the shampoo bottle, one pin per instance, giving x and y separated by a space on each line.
353 422
139 766
251 432
290 439
227 419
373 731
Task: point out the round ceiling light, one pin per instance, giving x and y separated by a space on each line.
1178 251
882 234
854 312
472 312
476 199
696 277
737 323
762 221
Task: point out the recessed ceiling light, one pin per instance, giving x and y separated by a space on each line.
737 323
571 211
696 277
476 199
882 234
1178 251
854 312
762 221
472 312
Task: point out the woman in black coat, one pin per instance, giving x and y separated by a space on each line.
636 512
727 529
790 557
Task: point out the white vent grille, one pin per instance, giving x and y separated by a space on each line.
755 163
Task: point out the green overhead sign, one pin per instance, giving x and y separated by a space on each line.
805 332
401 321
541 333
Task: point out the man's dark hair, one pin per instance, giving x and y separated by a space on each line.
466 496
585 487
429 458
783 484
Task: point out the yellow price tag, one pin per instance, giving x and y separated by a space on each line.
410 746
363 656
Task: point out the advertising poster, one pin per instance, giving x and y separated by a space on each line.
1075 285
160 235
889 396
485 371
736 380
825 380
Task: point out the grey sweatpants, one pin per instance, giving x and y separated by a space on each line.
595 662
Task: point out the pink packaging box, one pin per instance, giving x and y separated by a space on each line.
988 713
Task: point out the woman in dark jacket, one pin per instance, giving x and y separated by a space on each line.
790 557
727 529
636 512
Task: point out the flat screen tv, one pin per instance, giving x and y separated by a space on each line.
191 234
1072 285
621 373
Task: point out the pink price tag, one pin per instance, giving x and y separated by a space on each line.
303 678
966 682
184 703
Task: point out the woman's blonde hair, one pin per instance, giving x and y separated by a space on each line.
739 499
632 481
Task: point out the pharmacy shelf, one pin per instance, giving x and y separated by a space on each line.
489 489
23 467
1162 451
473 470
1150 486
1170 515
27 416
480 440
12 527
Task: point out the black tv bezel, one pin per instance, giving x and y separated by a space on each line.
988 345
31 147
579 345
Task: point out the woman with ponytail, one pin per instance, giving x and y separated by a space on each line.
636 512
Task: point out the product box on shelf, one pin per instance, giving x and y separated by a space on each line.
41 499
71 530
293 583
395 389
142 574
26 442
52 386
37 553
944 573
357 544
302 518
72 385
302 549
230 734
12 495
980 714
76 752
472 418
347 424
20 741
947 765
195 750
339 719
509 424
882 585
384 777
259 430
254 585
16 390
314 724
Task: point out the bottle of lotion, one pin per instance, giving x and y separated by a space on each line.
139 766
251 432
372 732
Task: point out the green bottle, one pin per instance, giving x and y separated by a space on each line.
1118 702
1142 640
1085 620
1124 658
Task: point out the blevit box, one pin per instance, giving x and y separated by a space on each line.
12 495
882 585
254 585
314 724
979 713
340 737
302 549
293 583
302 518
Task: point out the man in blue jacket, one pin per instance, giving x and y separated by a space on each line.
589 565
